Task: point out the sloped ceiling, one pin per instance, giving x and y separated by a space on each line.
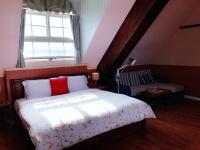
110 23
161 41
91 12
158 44
139 19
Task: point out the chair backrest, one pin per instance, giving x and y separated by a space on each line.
134 78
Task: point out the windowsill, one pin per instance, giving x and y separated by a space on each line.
35 63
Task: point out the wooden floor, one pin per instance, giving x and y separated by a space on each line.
177 128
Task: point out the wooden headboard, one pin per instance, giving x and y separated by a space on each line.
14 77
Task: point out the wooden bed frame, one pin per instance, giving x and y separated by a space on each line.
14 78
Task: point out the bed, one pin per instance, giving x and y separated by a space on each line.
59 122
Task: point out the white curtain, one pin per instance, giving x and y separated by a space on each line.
21 61
75 24
63 6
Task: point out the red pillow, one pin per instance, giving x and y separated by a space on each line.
59 86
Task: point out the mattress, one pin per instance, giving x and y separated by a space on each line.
59 122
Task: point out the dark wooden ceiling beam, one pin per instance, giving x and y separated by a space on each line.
139 19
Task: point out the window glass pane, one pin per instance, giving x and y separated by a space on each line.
39 31
28 49
28 19
57 49
28 31
38 20
41 49
56 32
66 23
68 33
56 22
70 49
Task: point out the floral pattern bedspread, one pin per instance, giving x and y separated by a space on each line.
61 121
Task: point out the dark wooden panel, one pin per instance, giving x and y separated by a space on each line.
133 28
189 76
3 91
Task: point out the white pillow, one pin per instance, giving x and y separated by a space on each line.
77 83
37 88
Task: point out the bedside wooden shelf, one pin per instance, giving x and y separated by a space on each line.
4 104
101 87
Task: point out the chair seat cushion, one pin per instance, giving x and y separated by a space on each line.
137 90
174 88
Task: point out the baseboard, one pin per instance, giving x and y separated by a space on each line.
192 97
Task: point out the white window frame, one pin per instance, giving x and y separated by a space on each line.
48 38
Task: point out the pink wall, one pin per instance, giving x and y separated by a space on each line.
114 16
10 11
184 47
165 43
10 14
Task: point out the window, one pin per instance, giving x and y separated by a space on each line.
48 36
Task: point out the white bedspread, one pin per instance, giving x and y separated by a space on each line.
58 122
